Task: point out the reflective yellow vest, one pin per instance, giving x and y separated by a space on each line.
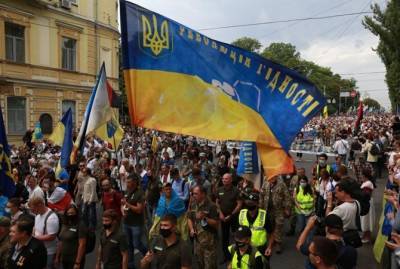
327 168
306 203
258 233
246 261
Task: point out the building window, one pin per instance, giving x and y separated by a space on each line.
67 104
46 123
15 42
16 115
68 47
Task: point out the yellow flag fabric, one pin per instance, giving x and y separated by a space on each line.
154 144
57 137
325 112
380 240
111 132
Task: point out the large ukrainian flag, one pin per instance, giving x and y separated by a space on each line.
7 185
181 81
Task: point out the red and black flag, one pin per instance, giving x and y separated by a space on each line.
115 100
360 115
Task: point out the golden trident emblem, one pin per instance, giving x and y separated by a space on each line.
155 41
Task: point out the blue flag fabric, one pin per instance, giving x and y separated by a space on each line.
67 145
248 159
7 185
37 134
179 80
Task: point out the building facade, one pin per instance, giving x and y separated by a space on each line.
50 54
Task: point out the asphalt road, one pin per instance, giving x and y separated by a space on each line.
291 258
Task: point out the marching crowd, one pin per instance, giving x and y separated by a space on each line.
179 201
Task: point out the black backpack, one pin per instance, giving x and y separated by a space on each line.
375 149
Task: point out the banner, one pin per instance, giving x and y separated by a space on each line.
181 81
248 159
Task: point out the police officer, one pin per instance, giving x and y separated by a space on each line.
256 219
243 255
167 249
113 248
203 225
229 204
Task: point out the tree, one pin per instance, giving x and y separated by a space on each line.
371 103
386 25
248 43
283 53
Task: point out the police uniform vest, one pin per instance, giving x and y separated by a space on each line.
327 168
258 232
246 261
305 202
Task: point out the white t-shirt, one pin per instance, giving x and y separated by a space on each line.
347 212
341 146
51 228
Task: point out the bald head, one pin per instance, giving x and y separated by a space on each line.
227 179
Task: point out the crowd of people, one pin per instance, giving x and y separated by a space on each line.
171 201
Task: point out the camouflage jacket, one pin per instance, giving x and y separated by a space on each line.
277 194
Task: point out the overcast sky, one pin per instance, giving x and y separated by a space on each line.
340 43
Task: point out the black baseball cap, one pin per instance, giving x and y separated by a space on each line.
243 232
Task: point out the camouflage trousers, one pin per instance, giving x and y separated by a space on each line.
206 254
279 223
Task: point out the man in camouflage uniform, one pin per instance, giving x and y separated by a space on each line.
5 245
276 200
203 226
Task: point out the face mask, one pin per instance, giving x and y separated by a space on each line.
322 162
72 218
251 207
7 210
240 244
165 232
107 226
303 185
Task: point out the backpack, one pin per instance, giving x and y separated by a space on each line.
59 222
352 237
375 149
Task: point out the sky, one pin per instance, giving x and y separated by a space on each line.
342 43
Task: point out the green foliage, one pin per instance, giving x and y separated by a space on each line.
371 103
329 83
386 25
248 43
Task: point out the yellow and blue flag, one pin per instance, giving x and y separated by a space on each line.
111 132
181 81
37 133
7 185
63 137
